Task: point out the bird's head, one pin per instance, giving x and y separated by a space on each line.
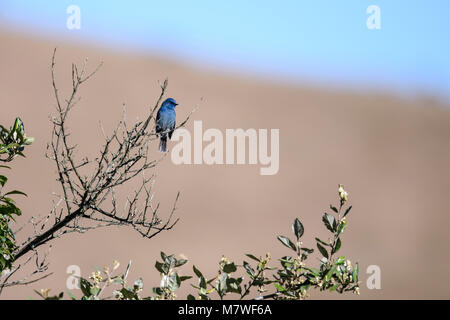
170 103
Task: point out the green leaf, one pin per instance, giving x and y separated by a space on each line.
3 180
197 272
322 250
337 246
163 256
184 278
334 287
202 282
287 242
39 294
221 286
190 297
9 209
16 192
249 269
158 291
94 291
28 141
329 222
297 228
18 125
305 253
314 271
322 242
341 227
252 257
305 287
173 282
348 210
201 278
334 208
8 200
162 267
171 261
71 295
12 146
234 285
229 268
85 287
279 287
180 262
356 273
330 273
340 260
286 261
204 296
128 294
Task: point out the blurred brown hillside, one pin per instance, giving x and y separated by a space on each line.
392 155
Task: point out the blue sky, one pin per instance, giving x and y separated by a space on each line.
318 41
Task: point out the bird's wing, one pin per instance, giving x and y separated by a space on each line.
158 121
173 128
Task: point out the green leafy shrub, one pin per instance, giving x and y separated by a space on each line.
12 143
292 279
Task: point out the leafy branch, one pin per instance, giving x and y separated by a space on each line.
12 144
292 280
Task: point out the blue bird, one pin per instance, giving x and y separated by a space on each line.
165 122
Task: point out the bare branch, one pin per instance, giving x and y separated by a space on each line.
90 188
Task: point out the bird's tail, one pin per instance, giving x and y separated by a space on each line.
163 144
